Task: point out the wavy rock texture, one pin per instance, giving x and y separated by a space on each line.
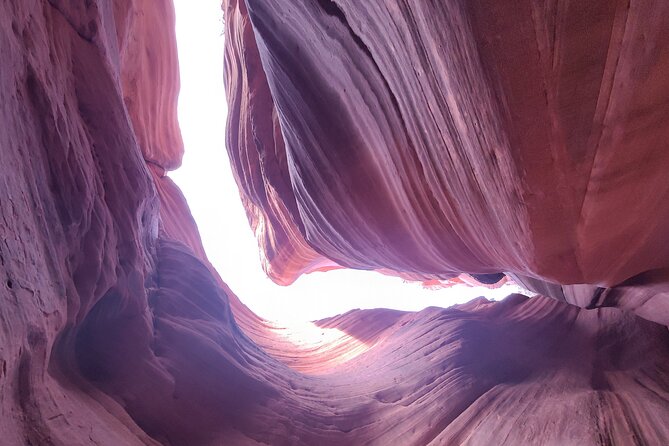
441 137
424 139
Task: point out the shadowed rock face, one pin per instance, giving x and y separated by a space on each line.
423 139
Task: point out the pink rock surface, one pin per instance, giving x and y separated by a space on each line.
115 329
435 138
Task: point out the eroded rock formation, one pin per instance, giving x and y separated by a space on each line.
424 139
515 146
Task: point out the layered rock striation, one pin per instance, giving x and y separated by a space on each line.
424 139
432 139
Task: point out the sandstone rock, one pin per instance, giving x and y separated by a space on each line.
424 140
442 137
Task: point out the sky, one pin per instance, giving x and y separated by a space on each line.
206 180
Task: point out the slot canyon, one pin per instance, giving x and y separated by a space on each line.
439 141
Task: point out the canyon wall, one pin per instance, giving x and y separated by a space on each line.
430 139
424 139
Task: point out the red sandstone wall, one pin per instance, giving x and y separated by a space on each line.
435 138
